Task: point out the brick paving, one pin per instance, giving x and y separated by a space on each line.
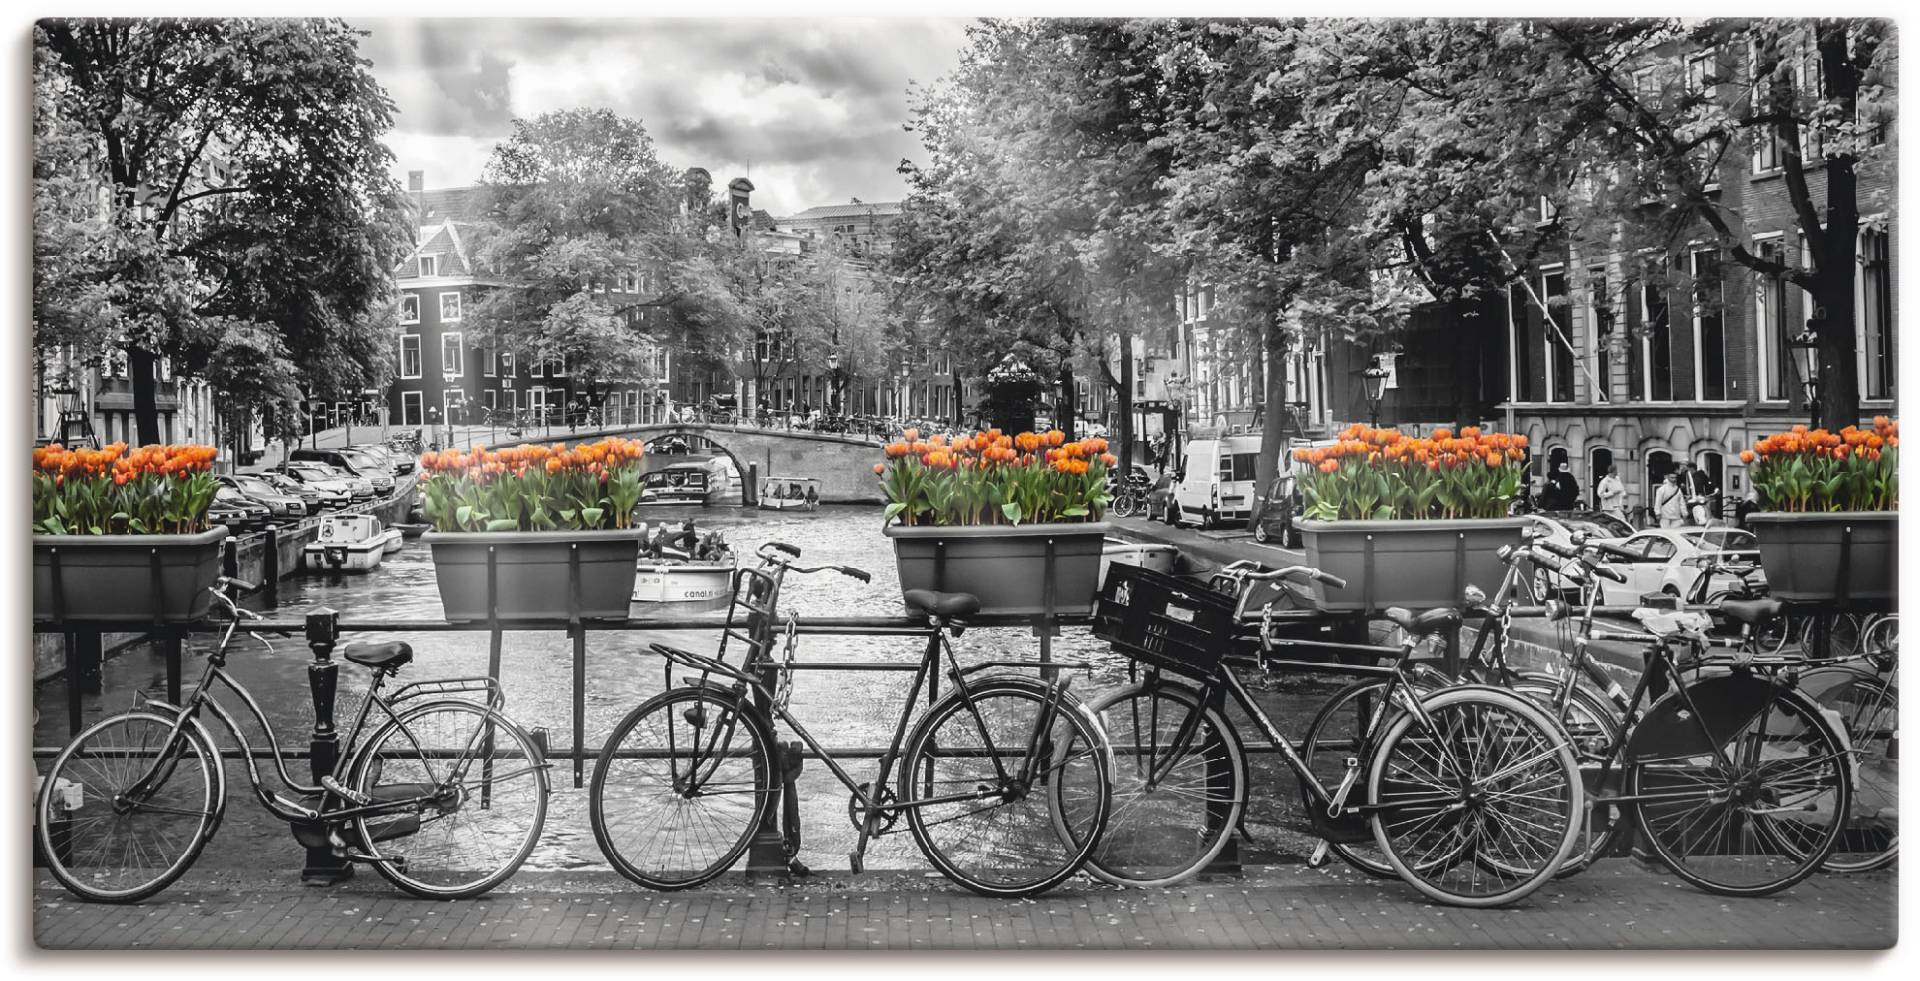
1619 904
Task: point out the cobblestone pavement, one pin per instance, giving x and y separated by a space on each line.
1618 904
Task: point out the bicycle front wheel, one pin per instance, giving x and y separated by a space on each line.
1174 804
1005 784
1746 808
1338 733
1869 710
680 788
127 807
1479 803
476 793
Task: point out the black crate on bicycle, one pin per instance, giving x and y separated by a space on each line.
1164 620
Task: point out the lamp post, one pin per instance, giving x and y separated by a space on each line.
1375 380
376 400
1806 347
836 377
452 379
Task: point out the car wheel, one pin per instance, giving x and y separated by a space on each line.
1260 533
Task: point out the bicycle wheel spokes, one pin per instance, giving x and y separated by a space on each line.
1482 808
1761 820
680 789
477 799
1869 710
1002 835
1173 805
146 809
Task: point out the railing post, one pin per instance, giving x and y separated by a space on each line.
270 566
323 632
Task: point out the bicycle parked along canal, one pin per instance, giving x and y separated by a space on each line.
444 796
1003 781
1472 793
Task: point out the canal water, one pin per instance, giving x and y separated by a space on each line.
840 709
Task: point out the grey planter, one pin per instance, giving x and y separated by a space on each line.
1004 565
130 579
1415 564
1830 556
533 574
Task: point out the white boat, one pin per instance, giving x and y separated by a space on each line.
350 543
676 483
789 493
1149 555
686 585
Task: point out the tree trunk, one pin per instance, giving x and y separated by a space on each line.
1273 433
146 408
1126 406
1064 409
1839 391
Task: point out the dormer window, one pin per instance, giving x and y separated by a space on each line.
429 266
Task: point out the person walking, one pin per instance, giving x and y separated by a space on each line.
1563 492
1670 502
1612 494
1693 485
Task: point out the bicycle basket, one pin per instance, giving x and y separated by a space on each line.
1163 620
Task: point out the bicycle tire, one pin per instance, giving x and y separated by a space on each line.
1122 505
1869 710
1593 726
502 773
628 792
194 784
1340 724
1163 832
1776 854
1056 830
1535 784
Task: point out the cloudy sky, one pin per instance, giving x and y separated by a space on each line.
810 110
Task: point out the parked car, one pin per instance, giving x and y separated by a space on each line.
233 516
328 478
397 463
1275 526
252 516
350 461
281 504
1160 498
1672 560
317 499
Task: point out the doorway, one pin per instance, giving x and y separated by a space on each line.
1599 461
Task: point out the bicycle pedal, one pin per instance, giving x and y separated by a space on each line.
1319 855
345 793
797 867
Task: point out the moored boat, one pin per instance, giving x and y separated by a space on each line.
677 483
350 543
789 493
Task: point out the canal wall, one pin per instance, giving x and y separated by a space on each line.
257 558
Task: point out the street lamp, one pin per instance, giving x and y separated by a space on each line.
836 378
451 378
1375 379
1806 346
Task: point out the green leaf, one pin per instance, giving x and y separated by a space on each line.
1012 511
1075 512
463 514
503 524
892 510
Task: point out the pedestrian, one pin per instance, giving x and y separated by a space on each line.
1670 502
1563 492
1693 485
1613 494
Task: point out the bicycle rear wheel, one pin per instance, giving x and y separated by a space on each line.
1172 812
680 788
1337 733
1593 727
479 787
1869 710
978 821
1762 820
1479 805
128 837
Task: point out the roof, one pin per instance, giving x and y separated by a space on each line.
860 210
438 219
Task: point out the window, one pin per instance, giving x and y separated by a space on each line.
1656 348
409 355
410 412
449 307
429 266
1770 326
1600 317
409 308
1553 327
1521 370
1765 137
490 398
490 362
1701 76
557 367
537 368
1709 327
452 361
1875 314
450 400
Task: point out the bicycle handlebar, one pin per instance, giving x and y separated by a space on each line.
1249 571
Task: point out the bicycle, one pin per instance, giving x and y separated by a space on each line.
1735 780
1003 781
411 783
1861 687
1472 793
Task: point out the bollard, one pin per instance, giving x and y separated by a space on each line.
270 569
323 632
750 490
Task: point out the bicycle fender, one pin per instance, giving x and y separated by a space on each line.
1725 705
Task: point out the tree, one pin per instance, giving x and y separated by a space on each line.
215 172
577 205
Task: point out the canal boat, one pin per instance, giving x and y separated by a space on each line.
350 543
411 529
790 493
677 483
692 574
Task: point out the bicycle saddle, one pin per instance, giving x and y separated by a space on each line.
387 656
1753 611
1422 624
942 606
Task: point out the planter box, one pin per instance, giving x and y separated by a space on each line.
129 579
1844 556
1004 565
1415 564
532 572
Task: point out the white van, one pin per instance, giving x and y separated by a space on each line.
1215 482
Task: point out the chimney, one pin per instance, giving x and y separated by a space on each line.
739 211
417 193
416 181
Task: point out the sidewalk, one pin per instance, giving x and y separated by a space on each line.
1619 904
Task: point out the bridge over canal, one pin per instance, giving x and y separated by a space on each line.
842 464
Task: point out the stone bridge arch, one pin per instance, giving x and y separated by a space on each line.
842 464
